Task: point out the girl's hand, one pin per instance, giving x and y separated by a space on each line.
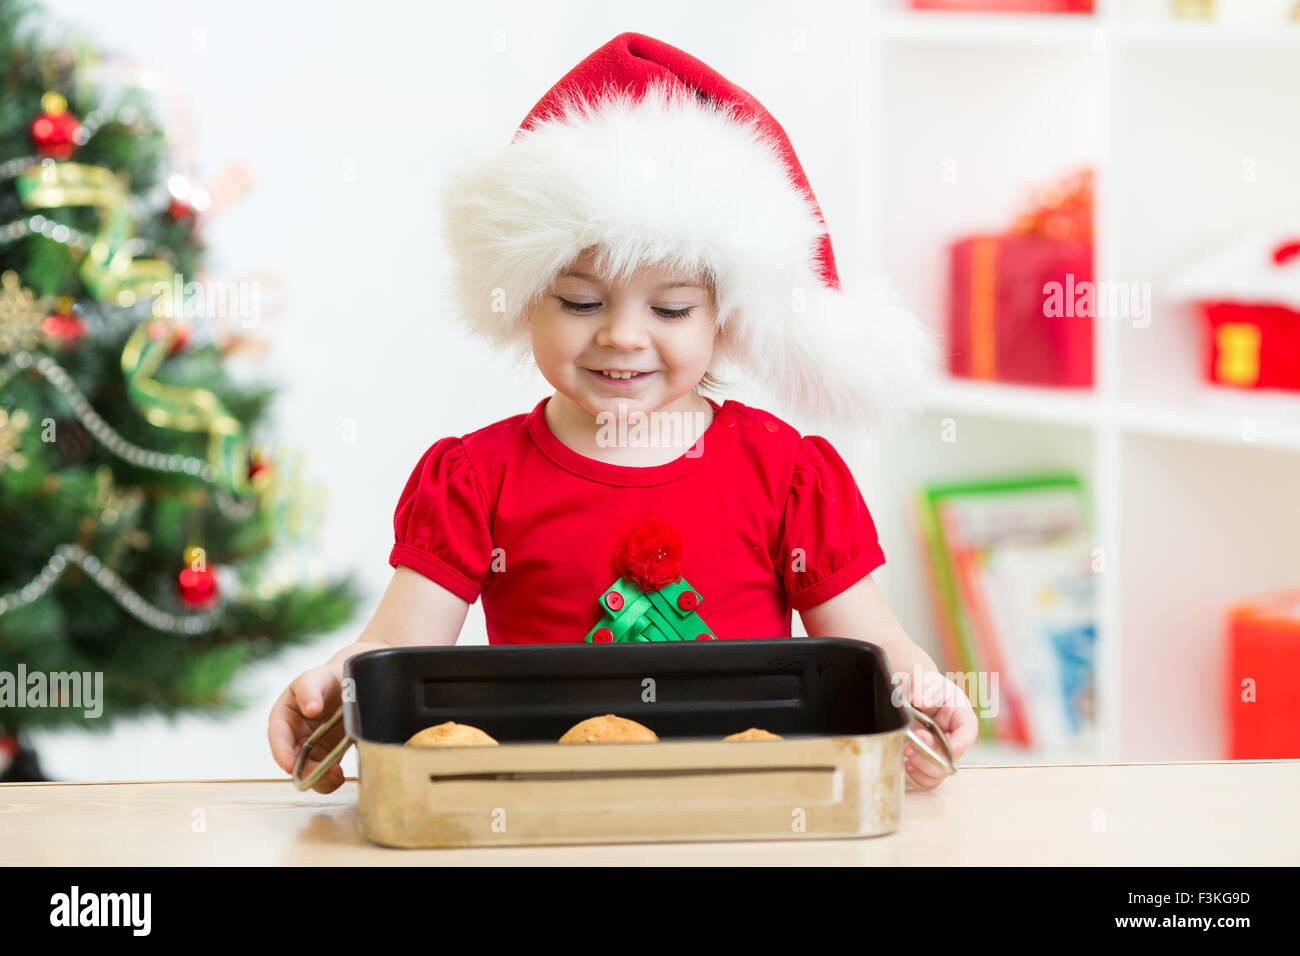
307 703
949 707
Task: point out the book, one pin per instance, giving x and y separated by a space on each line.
1042 595
996 551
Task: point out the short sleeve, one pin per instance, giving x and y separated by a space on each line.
828 540
442 526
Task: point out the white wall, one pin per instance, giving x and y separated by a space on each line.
302 92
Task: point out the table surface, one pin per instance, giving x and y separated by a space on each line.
1205 813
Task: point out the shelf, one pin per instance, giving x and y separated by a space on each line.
1221 419
1078 407
1186 126
1206 415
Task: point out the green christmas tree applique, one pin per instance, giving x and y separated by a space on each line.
650 600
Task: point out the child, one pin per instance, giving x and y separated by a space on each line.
649 222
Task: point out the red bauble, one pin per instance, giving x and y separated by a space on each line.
177 210
66 328
158 329
651 555
258 466
54 134
198 588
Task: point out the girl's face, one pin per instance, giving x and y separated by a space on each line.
657 324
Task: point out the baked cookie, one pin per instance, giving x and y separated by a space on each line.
451 734
753 733
608 729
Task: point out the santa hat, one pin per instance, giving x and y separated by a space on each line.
650 155
1259 266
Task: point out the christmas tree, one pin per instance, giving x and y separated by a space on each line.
142 523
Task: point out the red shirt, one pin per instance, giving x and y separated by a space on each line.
771 521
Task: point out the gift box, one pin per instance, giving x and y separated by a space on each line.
1020 303
1252 346
1262 693
1007 6
1248 296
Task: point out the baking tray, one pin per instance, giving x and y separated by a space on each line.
838 772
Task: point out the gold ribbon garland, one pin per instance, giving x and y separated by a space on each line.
111 274
185 409
108 270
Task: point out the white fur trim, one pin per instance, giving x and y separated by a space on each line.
671 180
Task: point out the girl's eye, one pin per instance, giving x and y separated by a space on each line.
579 307
585 308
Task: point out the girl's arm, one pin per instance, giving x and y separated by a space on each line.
861 613
414 612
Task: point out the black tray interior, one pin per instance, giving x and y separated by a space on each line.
701 689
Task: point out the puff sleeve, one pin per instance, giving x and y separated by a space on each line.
828 540
442 525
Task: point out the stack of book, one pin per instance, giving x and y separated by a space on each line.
1012 576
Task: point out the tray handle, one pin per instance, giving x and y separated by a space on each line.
947 761
333 757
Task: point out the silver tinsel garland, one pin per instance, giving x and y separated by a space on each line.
141 457
130 601
36 224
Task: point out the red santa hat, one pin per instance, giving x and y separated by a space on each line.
650 155
1257 267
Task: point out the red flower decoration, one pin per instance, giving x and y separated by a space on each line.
650 555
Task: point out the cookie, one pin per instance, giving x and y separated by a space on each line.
753 733
451 734
608 729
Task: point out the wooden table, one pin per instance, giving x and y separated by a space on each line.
1210 813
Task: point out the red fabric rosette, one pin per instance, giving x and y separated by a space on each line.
650 555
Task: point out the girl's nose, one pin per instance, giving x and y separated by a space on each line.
623 330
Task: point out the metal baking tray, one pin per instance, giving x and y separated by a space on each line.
838 772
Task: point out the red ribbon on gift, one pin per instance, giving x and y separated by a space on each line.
1061 211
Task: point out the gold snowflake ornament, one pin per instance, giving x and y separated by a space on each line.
21 314
111 500
10 426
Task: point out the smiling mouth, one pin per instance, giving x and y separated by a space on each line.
619 376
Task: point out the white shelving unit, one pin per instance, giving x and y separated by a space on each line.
1190 128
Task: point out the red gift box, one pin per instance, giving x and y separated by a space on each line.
1000 327
1007 6
1262 693
1006 321
1252 346
1253 335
